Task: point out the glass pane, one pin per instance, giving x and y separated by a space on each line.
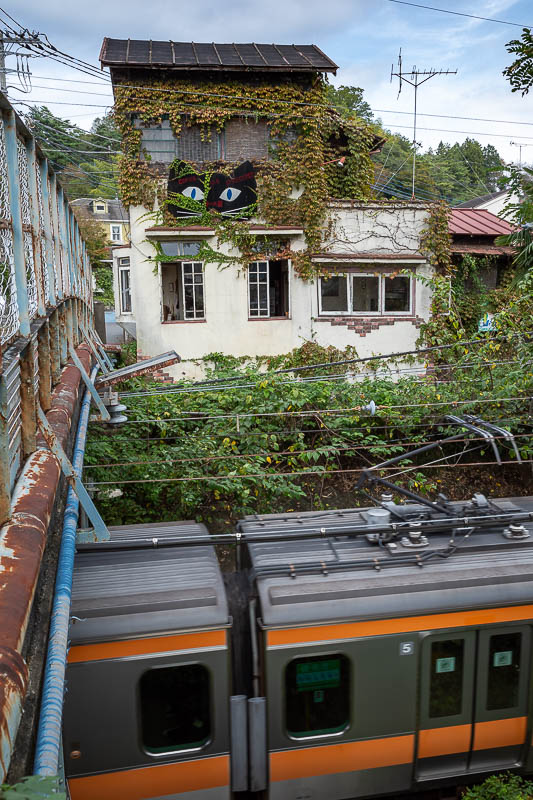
189 248
199 296
252 270
503 671
187 269
262 266
317 692
334 293
175 708
397 293
446 684
365 293
170 248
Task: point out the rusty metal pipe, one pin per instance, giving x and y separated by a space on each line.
49 731
22 543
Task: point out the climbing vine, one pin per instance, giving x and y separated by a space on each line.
304 134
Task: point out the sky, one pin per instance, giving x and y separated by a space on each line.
363 37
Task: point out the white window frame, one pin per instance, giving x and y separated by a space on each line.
348 276
121 269
115 229
195 313
256 283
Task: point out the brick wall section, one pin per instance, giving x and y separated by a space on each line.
245 139
364 325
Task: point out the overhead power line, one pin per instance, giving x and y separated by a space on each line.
459 13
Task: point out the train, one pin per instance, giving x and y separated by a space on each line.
355 653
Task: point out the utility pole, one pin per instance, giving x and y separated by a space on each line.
415 78
521 145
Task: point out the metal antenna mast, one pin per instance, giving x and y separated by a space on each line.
521 145
415 78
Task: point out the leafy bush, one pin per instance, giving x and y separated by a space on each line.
501 787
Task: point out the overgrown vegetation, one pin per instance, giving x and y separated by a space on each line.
261 442
501 787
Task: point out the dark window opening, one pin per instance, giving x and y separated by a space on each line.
365 293
446 683
317 695
503 671
268 289
397 294
182 285
175 708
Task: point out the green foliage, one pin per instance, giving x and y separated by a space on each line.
521 214
349 102
36 787
82 158
206 454
501 787
520 72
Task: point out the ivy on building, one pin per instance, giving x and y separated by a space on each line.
305 134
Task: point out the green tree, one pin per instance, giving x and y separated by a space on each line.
520 72
349 102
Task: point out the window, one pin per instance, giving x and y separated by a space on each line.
180 248
124 285
317 695
446 683
365 294
175 708
116 235
268 289
99 207
503 671
183 291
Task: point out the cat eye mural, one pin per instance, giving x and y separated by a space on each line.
228 195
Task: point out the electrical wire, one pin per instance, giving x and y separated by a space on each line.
322 473
275 454
458 13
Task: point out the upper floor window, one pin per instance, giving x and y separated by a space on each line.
116 235
268 289
365 294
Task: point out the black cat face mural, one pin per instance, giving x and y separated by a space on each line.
229 195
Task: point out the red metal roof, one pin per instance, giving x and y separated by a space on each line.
477 222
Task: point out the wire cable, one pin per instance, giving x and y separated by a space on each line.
458 13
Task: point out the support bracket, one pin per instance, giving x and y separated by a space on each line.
100 531
96 352
104 413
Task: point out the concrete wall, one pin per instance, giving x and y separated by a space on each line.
377 239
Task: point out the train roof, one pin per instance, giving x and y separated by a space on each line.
127 593
335 578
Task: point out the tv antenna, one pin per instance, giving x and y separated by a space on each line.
520 145
415 78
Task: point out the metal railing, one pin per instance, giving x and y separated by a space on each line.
45 291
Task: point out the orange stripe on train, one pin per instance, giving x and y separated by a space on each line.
137 647
163 779
499 733
356 630
444 741
346 757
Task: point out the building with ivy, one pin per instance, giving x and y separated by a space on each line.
254 226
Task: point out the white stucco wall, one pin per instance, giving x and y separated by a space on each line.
369 234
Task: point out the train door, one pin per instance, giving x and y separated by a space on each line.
473 701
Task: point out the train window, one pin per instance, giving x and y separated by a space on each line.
175 713
317 695
503 671
446 684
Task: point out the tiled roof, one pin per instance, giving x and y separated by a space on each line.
115 210
477 222
211 56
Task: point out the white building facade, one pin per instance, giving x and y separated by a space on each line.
369 296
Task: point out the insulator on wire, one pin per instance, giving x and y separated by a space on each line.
115 407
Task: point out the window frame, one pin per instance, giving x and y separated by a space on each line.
287 315
116 229
184 264
211 705
349 704
121 269
257 284
382 276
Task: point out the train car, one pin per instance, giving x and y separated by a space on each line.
397 667
354 654
148 670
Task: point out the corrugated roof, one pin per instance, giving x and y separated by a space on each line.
211 56
477 222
